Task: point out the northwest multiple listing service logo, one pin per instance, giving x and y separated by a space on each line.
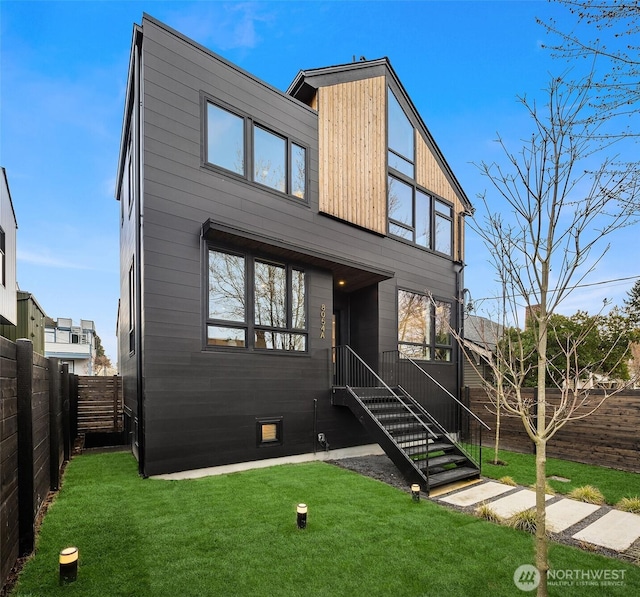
527 578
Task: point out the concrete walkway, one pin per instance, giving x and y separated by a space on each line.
601 526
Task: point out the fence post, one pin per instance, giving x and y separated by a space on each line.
66 429
54 413
26 482
73 408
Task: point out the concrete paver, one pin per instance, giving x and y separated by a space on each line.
507 506
566 513
477 493
616 530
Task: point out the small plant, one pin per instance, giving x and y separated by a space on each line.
485 511
631 504
547 488
524 521
507 481
587 493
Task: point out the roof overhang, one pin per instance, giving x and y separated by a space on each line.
348 275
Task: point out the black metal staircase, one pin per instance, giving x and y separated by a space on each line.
423 450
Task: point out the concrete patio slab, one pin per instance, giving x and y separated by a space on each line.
566 513
616 530
507 506
477 494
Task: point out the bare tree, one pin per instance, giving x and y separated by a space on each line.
606 32
546 226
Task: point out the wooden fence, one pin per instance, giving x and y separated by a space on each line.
100 406
37 403
609 437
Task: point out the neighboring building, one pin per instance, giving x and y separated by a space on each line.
31 322
73 345
259 230
8 228
481 336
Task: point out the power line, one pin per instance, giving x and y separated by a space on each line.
601 283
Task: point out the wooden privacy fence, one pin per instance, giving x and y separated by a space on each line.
38 399
43 408
100 406
608 437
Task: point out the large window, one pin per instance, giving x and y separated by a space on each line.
424 327
240 145
254 303
414 215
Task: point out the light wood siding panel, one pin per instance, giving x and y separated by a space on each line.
352 152
430 175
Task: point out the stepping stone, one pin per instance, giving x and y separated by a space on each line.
477 493
506 507
566 513
616 530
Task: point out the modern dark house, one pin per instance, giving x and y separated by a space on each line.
290 265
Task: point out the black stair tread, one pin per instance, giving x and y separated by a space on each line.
440 446
447 459
451 475
437 464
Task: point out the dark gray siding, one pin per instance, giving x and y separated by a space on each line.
201 406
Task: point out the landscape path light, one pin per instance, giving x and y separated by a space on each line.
415 492
68 565
302 516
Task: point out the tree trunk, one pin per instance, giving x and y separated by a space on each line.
542 560
497 444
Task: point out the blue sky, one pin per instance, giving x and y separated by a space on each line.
63 76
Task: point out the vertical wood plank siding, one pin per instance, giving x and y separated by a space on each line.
352 152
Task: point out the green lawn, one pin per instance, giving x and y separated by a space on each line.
236 535
613 484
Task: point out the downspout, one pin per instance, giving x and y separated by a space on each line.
137 128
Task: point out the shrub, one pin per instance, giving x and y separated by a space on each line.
485 511
524 521
587 493
631 504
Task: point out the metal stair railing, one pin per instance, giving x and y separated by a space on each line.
355 375
462 426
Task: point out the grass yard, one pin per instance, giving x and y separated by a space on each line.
236 535
613 484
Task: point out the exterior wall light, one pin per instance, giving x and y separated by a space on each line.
68 565
302 516
415 492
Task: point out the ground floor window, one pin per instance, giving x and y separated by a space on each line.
424 325
255 303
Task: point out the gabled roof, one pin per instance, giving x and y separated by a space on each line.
481 334
307 82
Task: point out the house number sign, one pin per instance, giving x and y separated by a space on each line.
323 320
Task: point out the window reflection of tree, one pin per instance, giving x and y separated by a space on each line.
270 292
226 286
413 324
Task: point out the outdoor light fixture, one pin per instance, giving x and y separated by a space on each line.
341 282
68 565
302 516
415 492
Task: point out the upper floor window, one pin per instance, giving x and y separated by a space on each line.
240 145
424 327
419 218
255 303
225 139
401 138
